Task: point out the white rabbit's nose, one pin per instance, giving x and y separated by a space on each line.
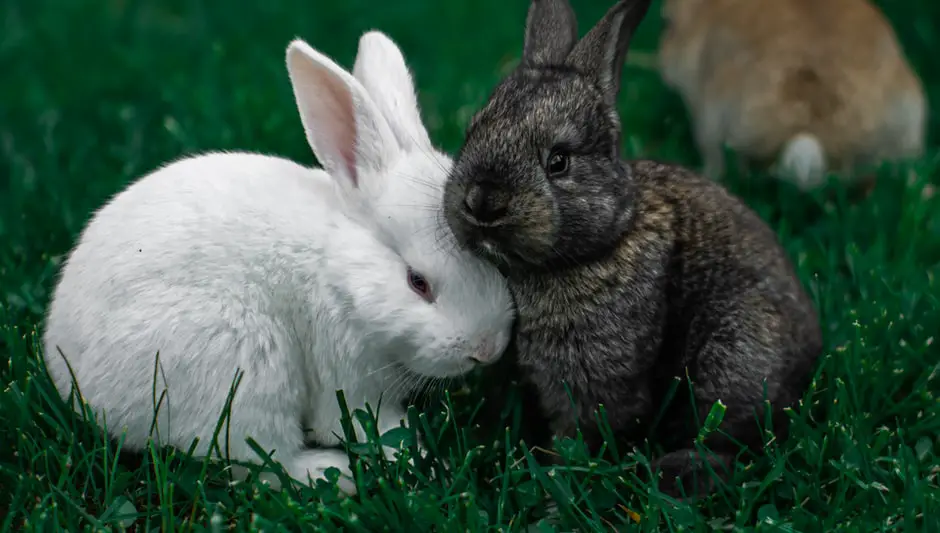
486 353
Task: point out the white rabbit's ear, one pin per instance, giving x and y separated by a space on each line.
343 126
381 68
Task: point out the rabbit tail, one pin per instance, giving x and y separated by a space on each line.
803 160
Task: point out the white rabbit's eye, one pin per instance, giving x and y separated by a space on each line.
420 285
557 163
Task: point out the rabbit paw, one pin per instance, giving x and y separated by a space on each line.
685 475
315 463
391 453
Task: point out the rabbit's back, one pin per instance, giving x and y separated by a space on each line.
211 261
732 285
774 70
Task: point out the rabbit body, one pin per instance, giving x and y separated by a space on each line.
219 263
697 286
627 276
809 85
303 280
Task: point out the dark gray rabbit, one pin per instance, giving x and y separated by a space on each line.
626 274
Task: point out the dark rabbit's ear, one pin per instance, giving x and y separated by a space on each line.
601 53
551 30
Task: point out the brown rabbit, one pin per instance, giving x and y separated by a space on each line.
628 276
813 85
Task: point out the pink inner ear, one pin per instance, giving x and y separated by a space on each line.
340 121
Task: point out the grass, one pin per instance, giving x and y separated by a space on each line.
95 93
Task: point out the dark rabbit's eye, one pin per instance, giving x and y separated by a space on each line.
557 163
420 285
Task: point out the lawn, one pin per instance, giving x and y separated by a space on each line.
95 93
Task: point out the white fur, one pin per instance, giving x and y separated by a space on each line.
803 160
370 69
294 276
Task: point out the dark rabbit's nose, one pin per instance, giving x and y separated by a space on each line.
486 203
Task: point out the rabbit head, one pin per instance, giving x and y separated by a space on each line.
539 180
441 310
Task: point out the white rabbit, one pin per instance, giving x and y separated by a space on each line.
306 280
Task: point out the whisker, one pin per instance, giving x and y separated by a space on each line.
391 389
436 187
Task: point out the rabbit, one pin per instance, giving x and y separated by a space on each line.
628 276
800 86
307 280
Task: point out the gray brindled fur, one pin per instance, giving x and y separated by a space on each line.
626 275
